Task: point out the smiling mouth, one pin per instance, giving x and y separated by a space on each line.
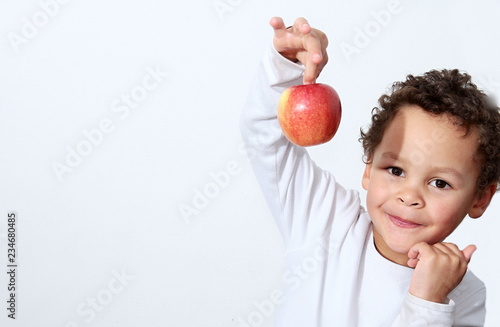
402 223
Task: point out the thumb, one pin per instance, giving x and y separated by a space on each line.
278 26
468 251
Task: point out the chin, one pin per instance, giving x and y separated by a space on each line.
400 248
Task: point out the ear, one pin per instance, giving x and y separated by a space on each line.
366 176
483 201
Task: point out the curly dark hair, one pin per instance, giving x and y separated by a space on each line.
441 92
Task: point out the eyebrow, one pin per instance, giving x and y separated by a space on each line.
449 171
390 155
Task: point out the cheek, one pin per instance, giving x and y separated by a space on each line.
441 210
376 196
447 215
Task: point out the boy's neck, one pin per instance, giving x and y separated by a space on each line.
388 253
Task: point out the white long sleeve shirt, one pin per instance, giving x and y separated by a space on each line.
334 275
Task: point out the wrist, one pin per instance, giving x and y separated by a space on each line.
436 298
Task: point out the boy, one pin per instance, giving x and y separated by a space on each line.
386 266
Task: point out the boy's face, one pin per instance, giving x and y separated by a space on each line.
421 182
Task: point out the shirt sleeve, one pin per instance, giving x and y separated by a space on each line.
301 196
470 301
416 312
470 311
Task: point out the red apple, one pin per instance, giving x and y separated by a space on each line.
309 114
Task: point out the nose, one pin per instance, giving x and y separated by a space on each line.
410 196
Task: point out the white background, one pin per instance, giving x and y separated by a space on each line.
117 213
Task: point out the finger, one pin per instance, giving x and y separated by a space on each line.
416 250
316 43
314 57
413 253
310 73
468 251
292 38
412 263
448 248
278 26
304 36
302 25
451 248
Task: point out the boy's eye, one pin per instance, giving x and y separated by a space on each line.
439 183
396 171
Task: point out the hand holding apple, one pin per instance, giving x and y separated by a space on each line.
309 114
301 43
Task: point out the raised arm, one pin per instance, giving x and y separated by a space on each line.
294 187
